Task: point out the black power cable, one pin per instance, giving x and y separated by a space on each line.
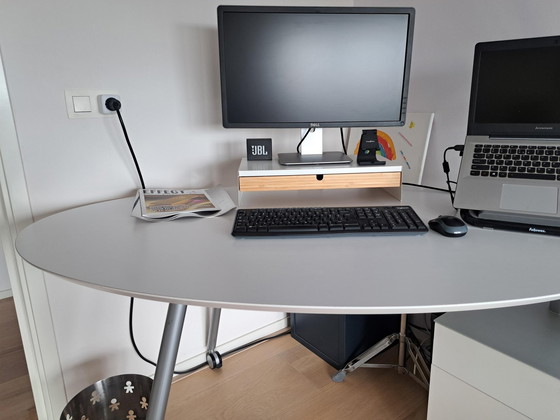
446 169
429 187
459 148
201 365
302 139
298 148
343 143
114 104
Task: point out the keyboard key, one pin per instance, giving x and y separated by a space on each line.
480 167
292 228
545 177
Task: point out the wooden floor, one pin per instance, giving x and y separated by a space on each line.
279 379
16 400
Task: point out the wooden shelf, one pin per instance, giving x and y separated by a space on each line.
271 176
319 182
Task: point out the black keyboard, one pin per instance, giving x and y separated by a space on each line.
516 161
327 220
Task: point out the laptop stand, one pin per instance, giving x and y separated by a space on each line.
508 222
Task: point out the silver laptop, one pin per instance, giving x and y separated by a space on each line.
510 170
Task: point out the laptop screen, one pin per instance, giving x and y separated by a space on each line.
516 89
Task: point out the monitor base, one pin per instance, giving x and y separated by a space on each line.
313 159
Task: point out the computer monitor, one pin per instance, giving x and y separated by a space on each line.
314 67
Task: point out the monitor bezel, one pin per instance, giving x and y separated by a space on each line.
510 130
314 10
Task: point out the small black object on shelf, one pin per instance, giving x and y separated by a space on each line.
259 149
369 145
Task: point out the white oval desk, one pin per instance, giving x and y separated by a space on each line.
198 262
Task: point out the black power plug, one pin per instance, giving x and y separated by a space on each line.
113 104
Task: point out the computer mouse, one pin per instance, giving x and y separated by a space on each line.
450 226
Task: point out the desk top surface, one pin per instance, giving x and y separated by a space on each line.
197 261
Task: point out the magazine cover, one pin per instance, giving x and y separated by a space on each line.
163 203
169 204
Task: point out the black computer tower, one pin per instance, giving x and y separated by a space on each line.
337 339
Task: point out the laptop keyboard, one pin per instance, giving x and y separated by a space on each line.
516 161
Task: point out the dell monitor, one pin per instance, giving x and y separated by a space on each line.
312 68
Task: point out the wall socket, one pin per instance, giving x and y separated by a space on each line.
102 108
86 103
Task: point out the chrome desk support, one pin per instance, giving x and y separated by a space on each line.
166 361
213 357
420 372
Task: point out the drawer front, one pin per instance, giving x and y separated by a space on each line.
451 398
318 182
510 381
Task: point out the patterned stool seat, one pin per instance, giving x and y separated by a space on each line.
122 397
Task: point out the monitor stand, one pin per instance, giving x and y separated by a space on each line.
312 152
313 159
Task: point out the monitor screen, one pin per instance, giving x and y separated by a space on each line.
314 66
515 88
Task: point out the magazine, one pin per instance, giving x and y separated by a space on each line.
169 204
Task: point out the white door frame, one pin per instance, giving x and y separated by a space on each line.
27 282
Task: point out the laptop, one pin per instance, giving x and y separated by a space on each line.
510 169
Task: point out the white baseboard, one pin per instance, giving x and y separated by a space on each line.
5 294
237 342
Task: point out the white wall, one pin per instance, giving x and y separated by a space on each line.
161 57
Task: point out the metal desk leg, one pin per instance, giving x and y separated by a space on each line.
402 345
213 357
166 361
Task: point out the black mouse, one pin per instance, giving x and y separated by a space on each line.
450 226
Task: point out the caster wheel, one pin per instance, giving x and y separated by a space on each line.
214 360
339 376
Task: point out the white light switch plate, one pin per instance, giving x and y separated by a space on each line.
93 95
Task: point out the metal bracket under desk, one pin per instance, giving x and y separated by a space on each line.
420 371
